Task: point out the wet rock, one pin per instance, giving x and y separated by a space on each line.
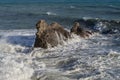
60 30
76 29
50 35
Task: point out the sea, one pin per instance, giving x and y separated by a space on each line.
94 58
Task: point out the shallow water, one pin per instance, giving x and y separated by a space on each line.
95 58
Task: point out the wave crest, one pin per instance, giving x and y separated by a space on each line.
100 25
50 13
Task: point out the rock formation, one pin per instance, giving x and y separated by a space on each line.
76 29
54 34
50 35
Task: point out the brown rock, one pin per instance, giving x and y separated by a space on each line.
41 26
76 29
60 30
50 35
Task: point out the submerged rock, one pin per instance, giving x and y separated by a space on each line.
50 35
76 29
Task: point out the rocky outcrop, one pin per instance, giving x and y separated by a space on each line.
54 34
76 29
50 35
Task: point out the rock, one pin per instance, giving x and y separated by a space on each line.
54 34
60 30
50 35
76 29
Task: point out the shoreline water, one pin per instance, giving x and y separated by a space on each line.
78 59
94 58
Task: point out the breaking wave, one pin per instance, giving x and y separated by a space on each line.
100 25
93 58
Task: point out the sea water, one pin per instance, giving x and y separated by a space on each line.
95 58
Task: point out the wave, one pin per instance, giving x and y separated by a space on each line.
50 13
114 7
101 25
96 24
77 58
16 40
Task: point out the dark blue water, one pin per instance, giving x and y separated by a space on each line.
28 1
24 14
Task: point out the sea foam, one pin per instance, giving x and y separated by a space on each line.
78 58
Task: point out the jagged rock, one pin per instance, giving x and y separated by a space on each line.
54 34
76 29
60 30
50 35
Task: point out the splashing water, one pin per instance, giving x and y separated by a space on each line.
77 59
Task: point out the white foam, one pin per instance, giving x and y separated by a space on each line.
15 64
13 67
50 13
114 54
91 58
